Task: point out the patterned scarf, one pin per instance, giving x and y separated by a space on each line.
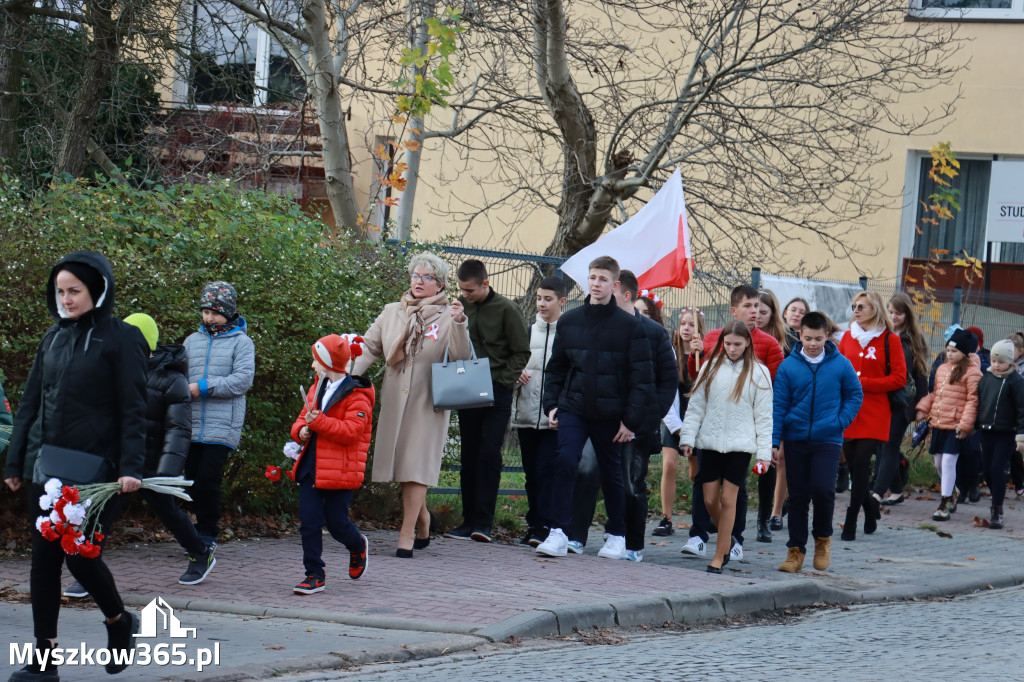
418 311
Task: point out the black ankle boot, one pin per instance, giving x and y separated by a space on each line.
764 533
35 671
119 639
872 512
996 522
850 527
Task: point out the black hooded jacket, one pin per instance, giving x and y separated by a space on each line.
168 412
666 383
87 386
600 366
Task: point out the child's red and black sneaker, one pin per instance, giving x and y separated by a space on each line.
357 561
311 585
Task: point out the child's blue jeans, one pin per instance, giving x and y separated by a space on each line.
319 508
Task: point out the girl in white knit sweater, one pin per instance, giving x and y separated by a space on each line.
729 417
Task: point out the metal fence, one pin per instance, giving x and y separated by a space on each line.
512 274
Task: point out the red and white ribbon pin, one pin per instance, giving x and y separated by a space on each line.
432 332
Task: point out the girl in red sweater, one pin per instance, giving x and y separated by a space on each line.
334 428
867 345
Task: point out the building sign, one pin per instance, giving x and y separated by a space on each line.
1006 202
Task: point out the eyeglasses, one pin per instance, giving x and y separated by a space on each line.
426 279
861 306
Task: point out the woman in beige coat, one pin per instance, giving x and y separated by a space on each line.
411 335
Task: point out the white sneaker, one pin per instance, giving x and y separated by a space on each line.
557 544
695 547
636 555
736 553
614 547
575 546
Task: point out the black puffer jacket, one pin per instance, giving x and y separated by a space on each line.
600 366
666 383
168 412
1001 403
87 386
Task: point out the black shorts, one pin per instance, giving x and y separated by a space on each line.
945 442
668 439
731 466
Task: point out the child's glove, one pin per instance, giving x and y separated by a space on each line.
761 467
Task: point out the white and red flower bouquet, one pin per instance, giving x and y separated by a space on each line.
72 509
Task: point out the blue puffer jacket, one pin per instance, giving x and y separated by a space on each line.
223 365
815 401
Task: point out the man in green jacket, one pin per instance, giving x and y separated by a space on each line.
498 331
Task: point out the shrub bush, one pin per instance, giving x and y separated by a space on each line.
295 282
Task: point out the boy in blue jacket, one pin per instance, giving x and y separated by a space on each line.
817 395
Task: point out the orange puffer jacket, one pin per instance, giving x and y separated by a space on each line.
342 436
953 405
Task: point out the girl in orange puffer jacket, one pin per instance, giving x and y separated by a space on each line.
952 408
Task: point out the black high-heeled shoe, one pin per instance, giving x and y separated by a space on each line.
403 553
423 543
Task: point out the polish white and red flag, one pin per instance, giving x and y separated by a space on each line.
654 243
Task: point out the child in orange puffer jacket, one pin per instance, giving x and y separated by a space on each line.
334 429
953 409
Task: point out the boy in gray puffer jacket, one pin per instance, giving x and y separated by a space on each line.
221 365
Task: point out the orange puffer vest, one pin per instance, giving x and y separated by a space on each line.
953 405
342 434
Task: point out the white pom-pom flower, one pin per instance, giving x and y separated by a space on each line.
75 513
55 517
53 487
46 502
292 450
39 523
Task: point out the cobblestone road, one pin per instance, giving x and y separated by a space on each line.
963 638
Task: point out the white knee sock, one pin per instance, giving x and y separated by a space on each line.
948 473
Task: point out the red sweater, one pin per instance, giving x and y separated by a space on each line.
342 437
869 362
766 349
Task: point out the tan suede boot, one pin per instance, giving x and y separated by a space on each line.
794 561
822 553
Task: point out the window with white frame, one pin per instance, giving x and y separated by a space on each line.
966 231
968 9
235 62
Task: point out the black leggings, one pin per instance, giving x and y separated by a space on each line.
888 470
858 452
44 579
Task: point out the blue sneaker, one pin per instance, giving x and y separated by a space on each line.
636 555
575 546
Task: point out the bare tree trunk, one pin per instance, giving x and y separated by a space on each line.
99 70
420 11
11 63
574 120
333 132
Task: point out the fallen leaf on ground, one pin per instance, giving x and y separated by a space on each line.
924 497
980 522
687 526
943 534
970 558
274 648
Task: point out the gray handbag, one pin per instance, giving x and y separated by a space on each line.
461 384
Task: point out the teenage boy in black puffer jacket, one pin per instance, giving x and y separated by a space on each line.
168 437
599 385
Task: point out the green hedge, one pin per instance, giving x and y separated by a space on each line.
295 281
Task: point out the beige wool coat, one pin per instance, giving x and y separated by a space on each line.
410 435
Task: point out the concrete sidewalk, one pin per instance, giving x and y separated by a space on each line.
469 594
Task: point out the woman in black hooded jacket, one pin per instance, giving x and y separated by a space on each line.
86 392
